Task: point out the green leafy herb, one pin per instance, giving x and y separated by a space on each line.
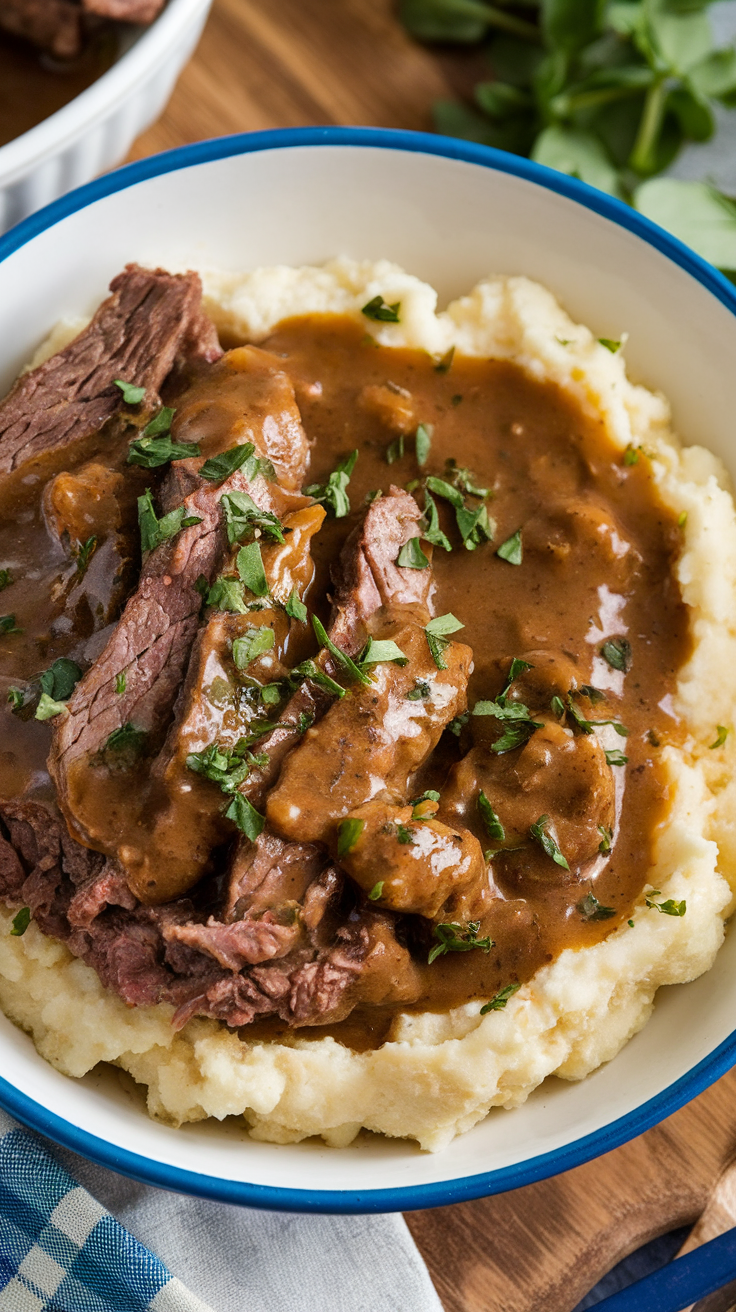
127 741
310 670
222 765
395 450
610 344
161 422
423 440
377 891
132 395
250 568
8 625
517 719
16 698
47 708
411 555
243 814
494 828
464 479
227 594
295 609
616 757
154 531
557 706
252 644
271 694
668 908
430 525
516 669
438 636
631 455
593 695
457 725
380 312
511 550
243 517
120 682
515 735
218 468
631 924
591 909
429 795
304 721
21 922
84 552
443 365
682 519
547 842
721 737
380 650
150 452
60 680
6 579
453 937
348 833
333 493
499 1002
354 671
617 651
604 846
404 835
419 692
474 522
589 726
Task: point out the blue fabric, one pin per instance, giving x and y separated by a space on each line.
61 1251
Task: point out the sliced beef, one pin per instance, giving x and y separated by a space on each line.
136 335
125 11
54 25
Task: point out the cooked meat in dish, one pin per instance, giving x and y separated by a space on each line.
59 25
300 725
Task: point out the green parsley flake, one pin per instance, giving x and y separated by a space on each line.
668 908
295 609
617 651
430 524
616 757
16 698
511 550
271 693
243 814
227 594
631 455
250 568
342 658
610 344
84 552
47 708
120 682
494 828
606 842
395 450
132 395
218 468
443 365
383 649
437 633
404 835
60 680
591 909
6 579
333 493
377 891
151 452
458 938
348 833
721 736
243 517
8 625
547 842
377 310
153 530
423 443
419 692
682 519
21 922
499 1002
253 643
161 422
411 555
126 743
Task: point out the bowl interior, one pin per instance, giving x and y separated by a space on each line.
303 198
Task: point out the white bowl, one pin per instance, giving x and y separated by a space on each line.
95 130
451 213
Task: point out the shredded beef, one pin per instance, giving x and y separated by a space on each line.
136 335
125 11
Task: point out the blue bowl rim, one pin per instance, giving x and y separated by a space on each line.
544 1165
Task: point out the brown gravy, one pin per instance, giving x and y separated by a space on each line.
599 550
33 86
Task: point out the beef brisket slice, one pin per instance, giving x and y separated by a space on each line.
135 335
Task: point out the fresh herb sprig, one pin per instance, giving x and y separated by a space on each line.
458 938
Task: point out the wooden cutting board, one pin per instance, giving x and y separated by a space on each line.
281 63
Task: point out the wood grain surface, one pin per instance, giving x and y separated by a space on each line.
280 63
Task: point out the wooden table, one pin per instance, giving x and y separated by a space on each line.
281 63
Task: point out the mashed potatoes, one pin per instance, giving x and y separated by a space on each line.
439 1075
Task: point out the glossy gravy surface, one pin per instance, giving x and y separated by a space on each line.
598 556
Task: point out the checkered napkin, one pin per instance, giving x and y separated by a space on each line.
60 1251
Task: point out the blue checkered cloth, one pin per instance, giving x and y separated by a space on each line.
61 1251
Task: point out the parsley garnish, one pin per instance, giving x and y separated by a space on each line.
310 670
419 692
227 594
84 552
47 708
494 828
631 455
499 1002
557 706
588 726
250 568
605 844
6 579
161 422
442 366
668 907
126 740
333 493
610 344
16 698
411 555
682 519
617 651
218 468
458 938
423 442
271 694
243 517
154 531
721 737
547 842
150 452
404 835
616 757
380 312
348 833
295 609
382 650
377 891
342 658
431 530
395 450
59 681
591 909
253 643
249 821
8 625
21 922
132 395
120 682
474 523
457 725
514 715
464 479
222 765
437 632
511 550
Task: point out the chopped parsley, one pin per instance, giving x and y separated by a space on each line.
591 909
84 553
617 651
423 442
721 736
511 550
442 366
310 670
419 692
47 708
458 938
610 344
348 833
8 625
395 450
547 842
150 452
125 742
682 519
499 1002
16 698
588 726
438 636
616 757
631 455
430 524
668 907
474 523
516 718
493 826
243 814
225 766
227 594
132 395
457 725
295 609
593 695
557 706
271 693
411 555
154 531
243 517
250 569
333 493
161 422
464 479
120 682
342 658
606 842
377 310
218 468
21 922
377 891
255 642
404 835
6 579
60 680
383 649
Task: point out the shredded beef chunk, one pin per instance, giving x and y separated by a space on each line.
126 11
135 335
54 25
